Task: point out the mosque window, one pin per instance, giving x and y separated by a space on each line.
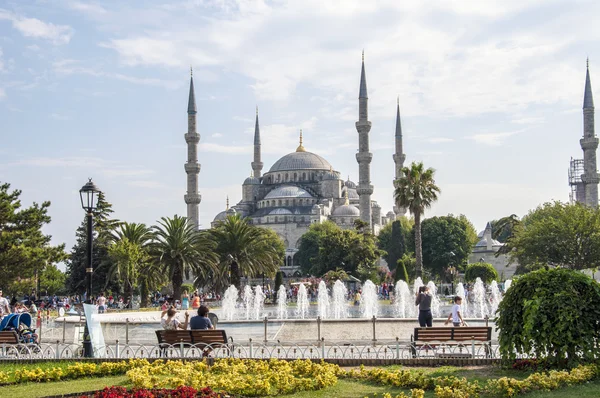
287 177
279 202
303 176
296 261
295 176
289 261
275 218
287 202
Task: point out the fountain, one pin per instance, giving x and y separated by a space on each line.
248 300
229 303
507 284
479 309
259 302
323 301
402 299
339 301
282 303
369 305
495 298
302 302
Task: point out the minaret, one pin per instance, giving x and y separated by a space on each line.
399 157
192 167
257 165
363 157
589 144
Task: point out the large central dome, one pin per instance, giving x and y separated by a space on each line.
300 161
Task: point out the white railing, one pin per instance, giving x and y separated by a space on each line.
391 350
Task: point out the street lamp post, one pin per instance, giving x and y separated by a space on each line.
452 270
89 194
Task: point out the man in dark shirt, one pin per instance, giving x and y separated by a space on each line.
201 322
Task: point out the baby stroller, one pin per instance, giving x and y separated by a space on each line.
20 323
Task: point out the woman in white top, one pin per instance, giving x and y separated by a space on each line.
171 322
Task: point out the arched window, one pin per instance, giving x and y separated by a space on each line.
275 218
289 261
303 176
287 177
287 202
279 202
295 176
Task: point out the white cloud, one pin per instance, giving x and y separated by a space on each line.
2 93
75 67
492 139
87 8
35 28
58 116
234 150
439 140
216 135
110 169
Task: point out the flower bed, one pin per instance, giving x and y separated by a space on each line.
179 392
238 376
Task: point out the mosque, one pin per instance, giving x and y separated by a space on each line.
301 187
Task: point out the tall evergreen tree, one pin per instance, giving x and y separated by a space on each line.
24 249
103 228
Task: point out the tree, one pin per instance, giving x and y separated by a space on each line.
503 229
558 234
24 249
245 249
485 271
130 260
416 191
309 250
446 242
335 275
470 229
182 251
327 247
406 263
52 280
103 228
551 315
391 239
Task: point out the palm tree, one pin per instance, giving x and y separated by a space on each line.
416 191
181 251
245 249
128 252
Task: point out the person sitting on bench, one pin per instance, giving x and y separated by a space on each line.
456 315
201 322
171 322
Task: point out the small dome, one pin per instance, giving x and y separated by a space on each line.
221 216
390 214
231 211
288 191
346 210
251 181
280 211
352 194
300 161
480 235
350 184
484 243
375 205
331 175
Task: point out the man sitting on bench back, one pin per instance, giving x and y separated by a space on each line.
201 321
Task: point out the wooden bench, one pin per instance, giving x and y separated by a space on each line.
199 338
9 337
463 337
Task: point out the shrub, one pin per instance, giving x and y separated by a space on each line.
552 315
485 271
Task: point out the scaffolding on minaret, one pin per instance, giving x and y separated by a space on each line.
576 169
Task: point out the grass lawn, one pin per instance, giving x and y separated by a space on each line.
34 390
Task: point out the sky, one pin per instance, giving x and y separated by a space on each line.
490 94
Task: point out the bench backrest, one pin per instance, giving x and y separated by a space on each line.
9 337
480 333
209 336
191 336
173 336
